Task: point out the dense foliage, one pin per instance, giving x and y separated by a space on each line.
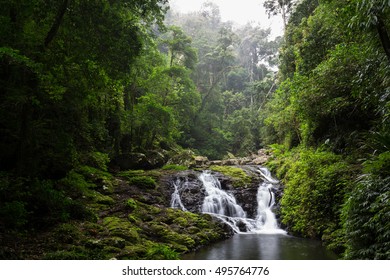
332 110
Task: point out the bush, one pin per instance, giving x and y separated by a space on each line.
316 182
367 209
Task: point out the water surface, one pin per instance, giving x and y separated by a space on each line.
263 247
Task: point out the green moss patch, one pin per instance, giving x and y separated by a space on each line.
239 177
119 227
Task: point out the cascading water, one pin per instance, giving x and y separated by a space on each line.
176 199
223 205
266 220
217 200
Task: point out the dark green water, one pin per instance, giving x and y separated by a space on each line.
263 247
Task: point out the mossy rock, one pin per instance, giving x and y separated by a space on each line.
111 251
133 219
193 230
91 229
174 167
134 252
161 252
76 183
103 199
131 173
143 181
181 221
94 244
67 233
103 180
131 204
121 228
116 242
239 177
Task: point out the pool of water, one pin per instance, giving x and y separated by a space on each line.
263 247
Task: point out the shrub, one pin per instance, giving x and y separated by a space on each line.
316 182
367 209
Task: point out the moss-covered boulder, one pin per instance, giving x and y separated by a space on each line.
119 227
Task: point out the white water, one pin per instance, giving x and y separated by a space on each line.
223 205
217 201
176 200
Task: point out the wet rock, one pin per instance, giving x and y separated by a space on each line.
191 190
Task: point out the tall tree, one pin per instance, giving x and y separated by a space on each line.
283 7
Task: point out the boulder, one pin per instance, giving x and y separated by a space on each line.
190 188
130 161
150 160
201 161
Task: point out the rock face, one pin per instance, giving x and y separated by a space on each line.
190 189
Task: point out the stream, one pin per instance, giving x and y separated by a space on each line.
256 238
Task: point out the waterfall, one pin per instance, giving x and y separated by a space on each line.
266 220
223 205
217 201
176 199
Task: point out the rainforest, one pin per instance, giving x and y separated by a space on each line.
115 113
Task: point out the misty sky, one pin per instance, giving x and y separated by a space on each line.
239 11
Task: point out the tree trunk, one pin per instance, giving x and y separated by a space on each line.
56 24
384 37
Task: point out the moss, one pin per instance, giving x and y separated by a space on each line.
67 233
174 167
121 228
100 198
181 221
77 253
98 177
132 219
131 204
131 173
142 181
76 183
116 242
240 178
161 252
